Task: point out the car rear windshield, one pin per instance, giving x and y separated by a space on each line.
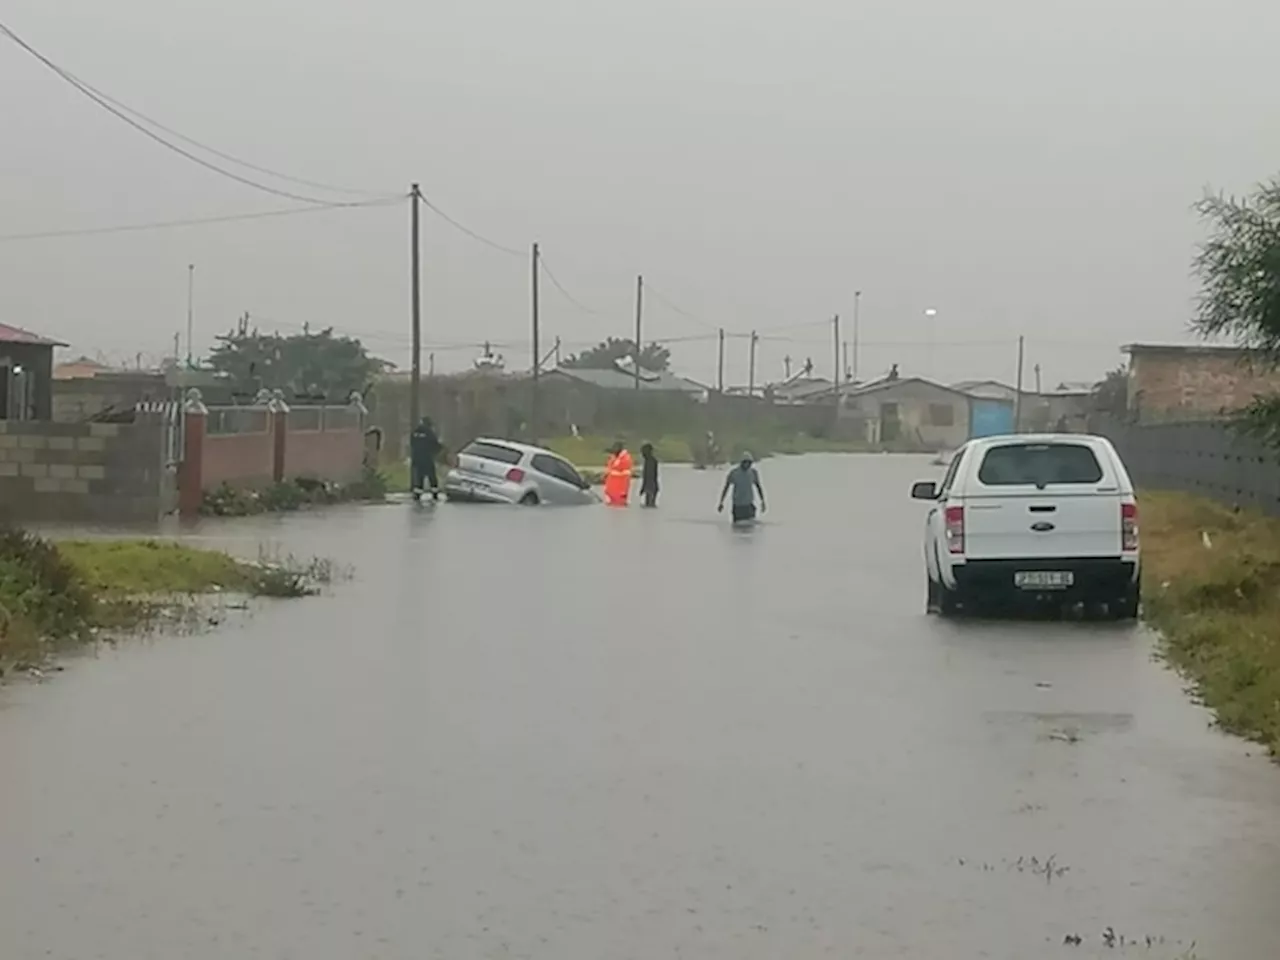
491 451
1039 464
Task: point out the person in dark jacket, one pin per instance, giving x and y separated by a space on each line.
649 475
424 448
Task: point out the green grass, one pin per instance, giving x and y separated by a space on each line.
395 474
1211 585
136 567
58 595
593 451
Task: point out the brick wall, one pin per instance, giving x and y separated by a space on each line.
1180 382
84 473
254 447
239 460
324 443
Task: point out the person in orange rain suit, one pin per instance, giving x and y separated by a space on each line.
617 476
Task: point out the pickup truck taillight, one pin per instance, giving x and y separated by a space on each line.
955 529
1129 526
515 475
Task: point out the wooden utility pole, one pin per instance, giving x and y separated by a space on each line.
639 312
557 351
720 363
537 354
191 312
857 298
844 369
1017 406
835 351
415 288
751 366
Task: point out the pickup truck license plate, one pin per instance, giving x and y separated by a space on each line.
1043 579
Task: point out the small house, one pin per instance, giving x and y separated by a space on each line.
26 374
918 414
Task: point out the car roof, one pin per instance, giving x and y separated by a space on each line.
517 445
1032 438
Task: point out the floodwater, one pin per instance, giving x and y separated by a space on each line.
587 733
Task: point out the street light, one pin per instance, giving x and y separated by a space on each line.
931 315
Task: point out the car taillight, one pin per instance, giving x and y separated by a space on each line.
1129 526
515 475
955 529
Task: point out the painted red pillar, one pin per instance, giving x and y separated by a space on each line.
195 416
278 410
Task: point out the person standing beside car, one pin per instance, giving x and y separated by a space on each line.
424 448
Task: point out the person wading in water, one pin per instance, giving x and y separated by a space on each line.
744 480
649 475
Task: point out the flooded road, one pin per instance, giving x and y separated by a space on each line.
583 733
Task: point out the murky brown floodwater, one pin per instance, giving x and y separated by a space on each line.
585 734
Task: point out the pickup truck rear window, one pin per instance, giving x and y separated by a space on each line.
1039 464
491 451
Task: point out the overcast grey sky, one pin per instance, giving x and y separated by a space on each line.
1021 167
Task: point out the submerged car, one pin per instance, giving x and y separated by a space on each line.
489 470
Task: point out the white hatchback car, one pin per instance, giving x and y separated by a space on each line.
504 471
1049 518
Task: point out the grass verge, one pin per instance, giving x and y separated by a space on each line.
55 596
1211 585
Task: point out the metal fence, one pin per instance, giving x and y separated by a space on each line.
1205 458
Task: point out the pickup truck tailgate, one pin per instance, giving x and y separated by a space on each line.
1042 524
1058 499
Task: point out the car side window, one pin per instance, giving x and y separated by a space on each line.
952 470
557 468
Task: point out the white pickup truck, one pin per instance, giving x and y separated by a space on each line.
1048 518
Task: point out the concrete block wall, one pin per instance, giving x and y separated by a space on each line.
83 473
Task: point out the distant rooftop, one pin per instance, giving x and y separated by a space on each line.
10 334
1188 349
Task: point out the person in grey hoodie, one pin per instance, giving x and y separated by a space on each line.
744 480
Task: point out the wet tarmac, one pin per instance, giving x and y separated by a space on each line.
587 733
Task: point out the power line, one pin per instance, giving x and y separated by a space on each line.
220 153
542 262
676 308
192 221
471 233
151 134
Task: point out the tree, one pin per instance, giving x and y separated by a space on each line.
604 356
1111 395
311 365
1239 270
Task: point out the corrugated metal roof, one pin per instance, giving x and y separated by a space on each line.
10 334
617 380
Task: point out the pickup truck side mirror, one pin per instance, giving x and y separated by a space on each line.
924 490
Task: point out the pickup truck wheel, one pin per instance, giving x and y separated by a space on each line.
1127 607
932 602
948 602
